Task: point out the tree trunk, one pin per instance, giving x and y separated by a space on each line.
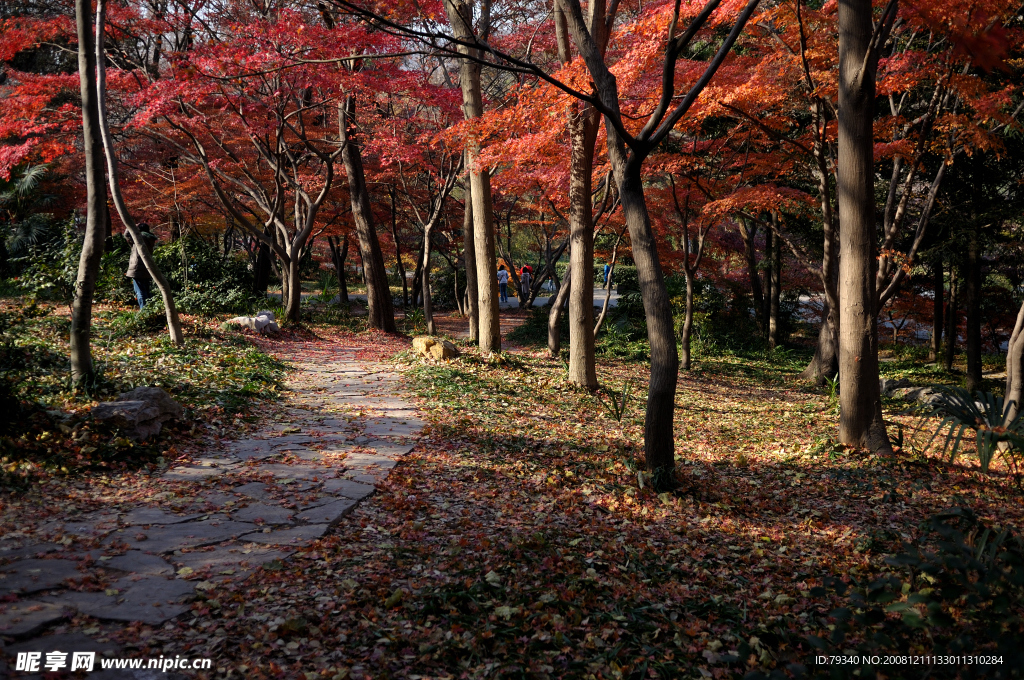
469 259
460 17
583 135
338 257
428 306
1014 368
659 439
607 288
170 310
770 243
285 280
380 308
972 303
750 255
825 363
937 303
261 270
292 303
555 315
95 216
860 414
684 341
398 251
775 272
952 333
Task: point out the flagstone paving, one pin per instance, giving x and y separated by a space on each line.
347 427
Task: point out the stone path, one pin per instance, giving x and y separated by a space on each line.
346 426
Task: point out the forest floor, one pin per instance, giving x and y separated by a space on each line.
520 537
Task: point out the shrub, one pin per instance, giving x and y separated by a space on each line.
442 288
206 282
49 267
959 590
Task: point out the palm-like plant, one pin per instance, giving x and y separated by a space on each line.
997 427
20 205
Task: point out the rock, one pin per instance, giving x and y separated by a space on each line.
28 616
923 395
422 344
267 514
140 516
252 448
66 642
443 351
389 449
164 539
234 557
152 600
348 488
33 575
434 348
393 427
362 461
293 536
141 412
330 513
283 471
138 562
888 385
263 322
257 490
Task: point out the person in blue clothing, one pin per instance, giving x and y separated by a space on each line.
137 272
502 283
607 270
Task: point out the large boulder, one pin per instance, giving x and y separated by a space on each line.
422 344
434 348
928 396
443 350
141 413
888 386
263 322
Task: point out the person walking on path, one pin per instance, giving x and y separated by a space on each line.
137 271
607 270
502 283
525 281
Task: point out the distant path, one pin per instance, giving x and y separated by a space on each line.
344 426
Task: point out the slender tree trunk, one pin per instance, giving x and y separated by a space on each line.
972 303
428 306
398 250
96 205
380 308
338 257
607 288
659 438
285 276
684 341
775 271
583 135
750 255
460 17
770 242
1014 367
825 363
293 303
951 320
170 310
937 303
860 414
583 123
469 259
555 315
